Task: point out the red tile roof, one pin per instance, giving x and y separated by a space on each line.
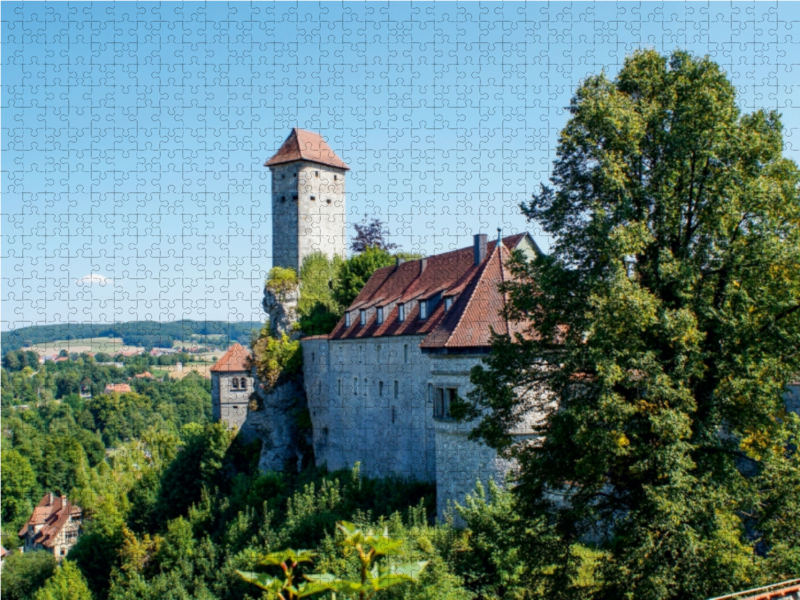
306 145
118 388
145 375
475 309
52 513
235 359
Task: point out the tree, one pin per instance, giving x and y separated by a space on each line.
317 309
371 235
66 584
18 483
281 281
664 325
25 573
356 271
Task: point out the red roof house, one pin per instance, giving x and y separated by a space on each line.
55 526
117 388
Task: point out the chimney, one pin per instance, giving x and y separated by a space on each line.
399 261
63 500
423 262
49 498
479 247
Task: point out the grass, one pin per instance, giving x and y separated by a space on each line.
107 345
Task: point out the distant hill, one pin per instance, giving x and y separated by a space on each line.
150 334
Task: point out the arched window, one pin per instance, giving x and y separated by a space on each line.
235 384
243 383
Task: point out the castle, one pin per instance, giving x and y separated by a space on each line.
379 387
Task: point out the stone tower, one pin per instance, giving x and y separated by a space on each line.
308 201
231 385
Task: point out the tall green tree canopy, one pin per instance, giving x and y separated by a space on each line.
666 325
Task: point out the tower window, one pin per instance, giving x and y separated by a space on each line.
336 178
366 387
316 174
283 198
355 385
339 386
243 384
328 200
313 357
430 393
396 389
235 384
313 197
405 353
294 197
394 414
380 315
380 388
295 174
401 312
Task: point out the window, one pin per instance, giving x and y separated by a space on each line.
380 315
295 174
313 197
401 312
423 309
405 353
339 386
316 174
335 177
396 389
355 385
430 393
448 302
443 398
380 389
362 317
394 414
243 383
283 198
313 357
294 197
366 386
347 319
319 387
328 200
235 383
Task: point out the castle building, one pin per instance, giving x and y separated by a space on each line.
55 526
308 201
379 387
231 385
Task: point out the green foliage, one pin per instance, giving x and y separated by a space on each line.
665 324
317 309
18 488
373 576
66 584
356 271
25 573
16 360
281 281
276 359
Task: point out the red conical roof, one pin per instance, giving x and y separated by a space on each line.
306 145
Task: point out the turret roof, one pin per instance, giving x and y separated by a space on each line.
306 145
234 360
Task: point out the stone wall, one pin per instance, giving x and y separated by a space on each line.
230 404
308 212
368 404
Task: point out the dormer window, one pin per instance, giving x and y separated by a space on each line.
362 317
347 319
423 309
380 315
401 312
448 302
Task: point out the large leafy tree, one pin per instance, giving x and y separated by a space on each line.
666 324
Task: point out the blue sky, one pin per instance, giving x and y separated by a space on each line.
134 134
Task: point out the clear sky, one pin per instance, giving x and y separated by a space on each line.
134 134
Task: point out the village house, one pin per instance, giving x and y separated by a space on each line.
55 526
117 388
